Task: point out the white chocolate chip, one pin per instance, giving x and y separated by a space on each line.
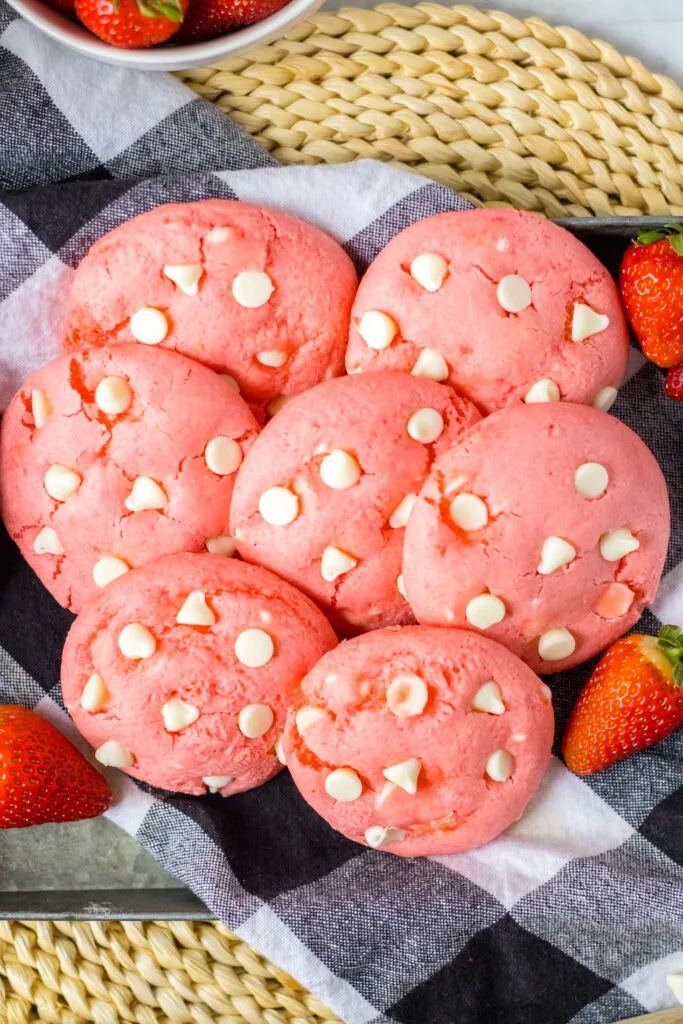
339 470
178 714
108 568
47 542
555 553
146 494
278 506
222 455
378 835
556 644
113 395
485 610
114 755
41 407
429 270
230 381
185 275
280 750
404 774
61 482
272 358
586 322
605 398
254 647
591 480
488 699
518 737
400 586
149 325
216 236
513 293
216 782
307 716
195 611
277 403
502 245
335 562
385 792
469 511
617 544
430 364
407 695
222 545
255 720
377 329
500 765
675 983
95 693
252 288
136 642
542 391
343 784
399 517
425 425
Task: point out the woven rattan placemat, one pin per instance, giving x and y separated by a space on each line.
511 112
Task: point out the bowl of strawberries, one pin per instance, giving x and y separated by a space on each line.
163 35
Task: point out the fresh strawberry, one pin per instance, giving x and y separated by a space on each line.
633 699
42 776
674 383
132 24
651 283
209 18
65 6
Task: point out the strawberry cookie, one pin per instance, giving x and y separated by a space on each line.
110 459
181 673
419 740
250 292
325 493
547 527
501 304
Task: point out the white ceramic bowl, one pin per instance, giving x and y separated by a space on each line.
167 57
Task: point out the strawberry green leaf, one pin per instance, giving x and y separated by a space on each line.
678 673
676 243
670 643
670 634
170 9
674 232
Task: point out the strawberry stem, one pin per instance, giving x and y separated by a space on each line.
670 643
673 231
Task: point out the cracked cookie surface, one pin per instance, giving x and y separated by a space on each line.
325 493
501 304
181 672
111 459
251 292
547 527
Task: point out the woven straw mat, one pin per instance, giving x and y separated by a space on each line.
511 112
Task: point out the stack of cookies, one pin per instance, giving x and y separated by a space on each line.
199 481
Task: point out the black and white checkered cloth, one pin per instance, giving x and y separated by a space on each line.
576 913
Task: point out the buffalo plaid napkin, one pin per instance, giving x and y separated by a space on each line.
576 913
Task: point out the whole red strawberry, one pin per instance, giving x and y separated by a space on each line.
42 776
651 282
633 699
209 18
674 383
132 24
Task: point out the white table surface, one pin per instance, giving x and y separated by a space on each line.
651 30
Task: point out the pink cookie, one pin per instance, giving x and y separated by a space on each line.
501 304
256 294
110 459
181 673
547 527
324 495
420 741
